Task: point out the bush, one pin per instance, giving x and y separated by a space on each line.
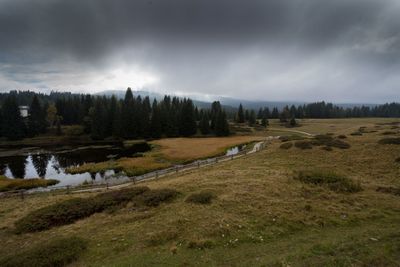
342 136
356 133
397 160
59 252
339 144
153 198
331 180
203 197
390 141
327 148
290 138
323 138
389 190
388 133
71 210
286 145
303 144
7 184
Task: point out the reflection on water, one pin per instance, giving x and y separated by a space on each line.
234 150
52 165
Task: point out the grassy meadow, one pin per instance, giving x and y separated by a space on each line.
278 207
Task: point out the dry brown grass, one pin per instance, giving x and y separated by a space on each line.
187 149
261 216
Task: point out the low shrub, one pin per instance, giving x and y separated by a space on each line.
356 133
331 180
7 184
204 197
323 138
389 190
339 144
59 252
303 144
290 138
397 160
71 210
286 145
388 133
390 141
153 198
327 148
342 136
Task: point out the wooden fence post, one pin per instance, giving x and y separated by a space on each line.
176 169
22 194
67 189
107 185
156 174
198 164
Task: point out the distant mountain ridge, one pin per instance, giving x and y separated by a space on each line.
230 104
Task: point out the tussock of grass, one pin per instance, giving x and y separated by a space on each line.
7 184
71 210
389 190
329 141
59 252
342 136
162 237
331 180
390 141
291 138
388 133
303 144
204 197
397 160
358 133
286 145
153 198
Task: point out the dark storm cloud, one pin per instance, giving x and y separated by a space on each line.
209 46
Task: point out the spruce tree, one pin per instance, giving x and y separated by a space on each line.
204 124
187 124
13 124
221 125
37 118
252 118
240 114
155 121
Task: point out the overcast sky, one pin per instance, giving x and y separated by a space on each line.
305 50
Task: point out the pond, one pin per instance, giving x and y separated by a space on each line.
234 150
51 164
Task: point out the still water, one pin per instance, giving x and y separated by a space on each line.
52 164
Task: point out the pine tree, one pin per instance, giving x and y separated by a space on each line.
37 118
275 113
155 121
187 124
221 125
98 118
293 122
127 116
240 114
204 124
13 124
252 118
264 121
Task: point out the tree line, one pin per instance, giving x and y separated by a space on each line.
103 117
315 110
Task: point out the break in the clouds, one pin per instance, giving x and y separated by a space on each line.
342 50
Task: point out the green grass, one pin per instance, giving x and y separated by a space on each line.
58 252
331 180
7 184
69 211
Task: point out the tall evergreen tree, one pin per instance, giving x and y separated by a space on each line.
37 118
187 123
13 124
240 114
204 124
252 118
221 125
275 113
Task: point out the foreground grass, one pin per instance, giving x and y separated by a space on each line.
7 184
58 252
166 153
260 215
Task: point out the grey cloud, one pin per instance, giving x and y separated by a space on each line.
210 46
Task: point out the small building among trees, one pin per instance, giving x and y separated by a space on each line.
24 111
